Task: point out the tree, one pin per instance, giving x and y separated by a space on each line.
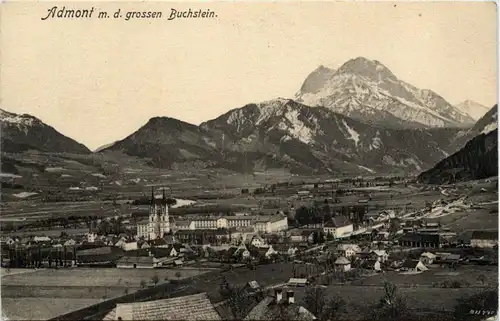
155 279
178 275
171 202
481 278
322 308
303 215
143 284
238 301
395 225
391 306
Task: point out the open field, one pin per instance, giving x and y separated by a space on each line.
89 277
41 308
50 233
359 298
55 292
436 275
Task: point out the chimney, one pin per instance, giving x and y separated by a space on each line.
279 295
291 297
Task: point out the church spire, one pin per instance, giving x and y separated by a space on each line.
164 197
152 196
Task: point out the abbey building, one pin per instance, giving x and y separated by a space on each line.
158 223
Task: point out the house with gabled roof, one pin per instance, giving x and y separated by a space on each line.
380 255
339 227
427 258
348 250
241 252
70 242
413 266
258 241
342 264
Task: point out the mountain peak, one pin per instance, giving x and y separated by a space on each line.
367 90
472 108
163 122
277 102
317 79
13 118
366 67
26 132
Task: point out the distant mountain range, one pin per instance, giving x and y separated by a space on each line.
473 109
368 91
362 120
25 132
285 133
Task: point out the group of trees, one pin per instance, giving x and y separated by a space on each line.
70 221
112 226
238 300
322 307
147 201
35 257
317 214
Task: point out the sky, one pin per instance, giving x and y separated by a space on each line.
97 81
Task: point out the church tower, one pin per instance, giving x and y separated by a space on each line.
159 222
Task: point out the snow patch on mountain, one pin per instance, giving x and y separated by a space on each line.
296 128
376 141
489 128
367 169
22 122
353 134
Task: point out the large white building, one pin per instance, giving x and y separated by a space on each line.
158 223
262 224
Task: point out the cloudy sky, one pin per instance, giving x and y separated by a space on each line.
99 80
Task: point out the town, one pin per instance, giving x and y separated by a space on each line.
302 239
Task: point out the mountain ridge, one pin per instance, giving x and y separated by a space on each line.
478 159
284 133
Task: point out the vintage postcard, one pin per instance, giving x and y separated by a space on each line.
249 160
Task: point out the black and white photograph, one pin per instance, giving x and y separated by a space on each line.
238 160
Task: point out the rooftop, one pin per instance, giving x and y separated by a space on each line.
270 309
338 221
186 308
